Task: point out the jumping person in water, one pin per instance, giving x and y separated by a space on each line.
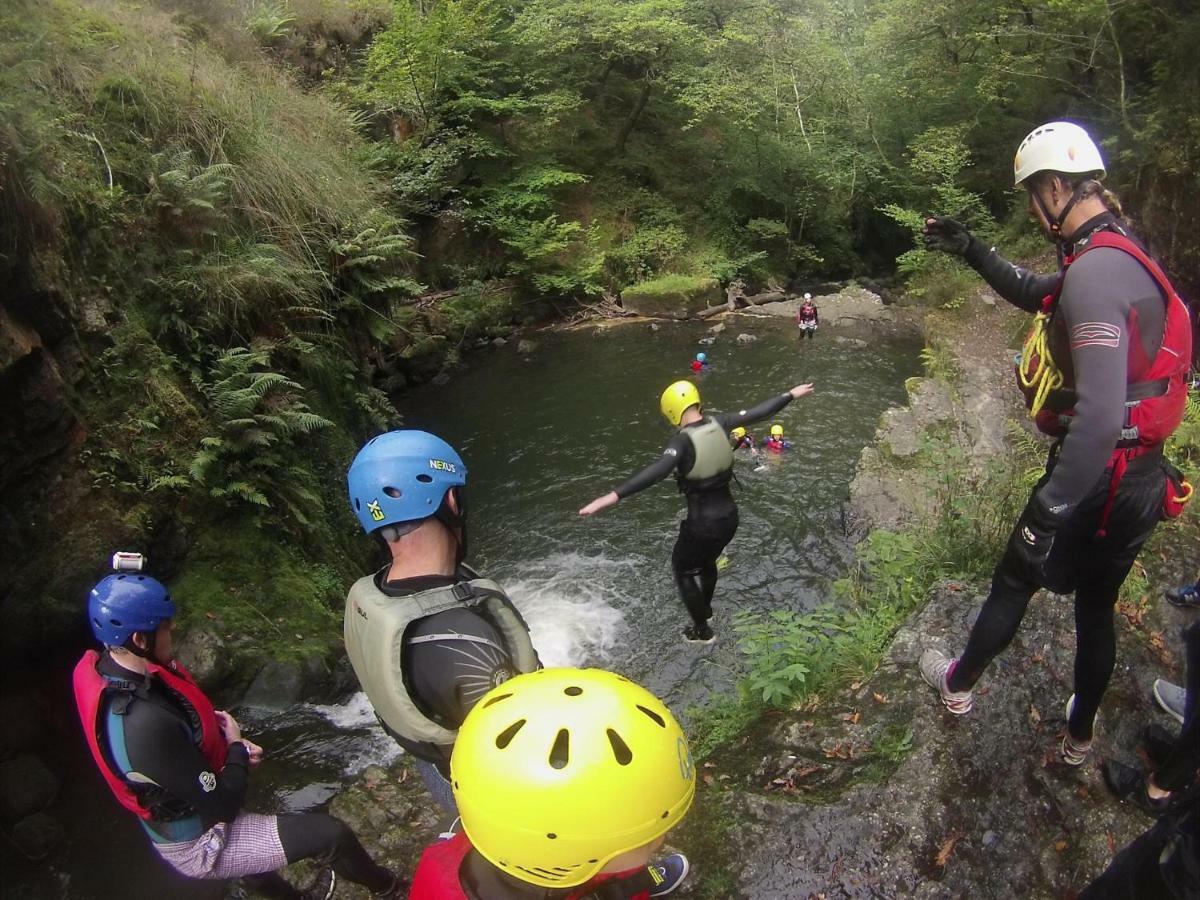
1104 373
807 318
701 457
741 439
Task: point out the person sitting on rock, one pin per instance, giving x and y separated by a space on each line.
183 767
426 635
700 363
776 442
808 320
741 439
567 780
701 457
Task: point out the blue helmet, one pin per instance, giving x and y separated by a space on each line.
402 476
701 357
123 604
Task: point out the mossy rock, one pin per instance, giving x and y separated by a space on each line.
672 296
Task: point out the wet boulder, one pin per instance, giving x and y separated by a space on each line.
278 685
205 655
26 787
525 346
744 338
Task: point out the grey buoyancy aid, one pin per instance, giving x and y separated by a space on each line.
713 457
374 630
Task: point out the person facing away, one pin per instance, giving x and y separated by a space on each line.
700 363
808 320
426 635
776 442
701 458
741 439
1103 372
182 767
567 781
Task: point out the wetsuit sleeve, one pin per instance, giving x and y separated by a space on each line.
1019 286
1095 305
160 749
671 457
732 420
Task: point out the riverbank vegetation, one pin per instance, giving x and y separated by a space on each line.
230 229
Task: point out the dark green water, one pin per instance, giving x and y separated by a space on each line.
545 434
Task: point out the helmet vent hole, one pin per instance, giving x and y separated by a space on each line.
357 504
496 700
666 812
573 691
551 835
425 478
504 738
116 622
560 753
620 749
394 492
658 720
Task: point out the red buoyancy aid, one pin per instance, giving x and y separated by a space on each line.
1156 401
437 878
90 687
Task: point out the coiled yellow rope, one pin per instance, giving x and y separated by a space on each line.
1045 377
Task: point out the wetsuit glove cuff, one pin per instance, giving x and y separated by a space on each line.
237 755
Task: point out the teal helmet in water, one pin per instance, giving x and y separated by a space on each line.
405 476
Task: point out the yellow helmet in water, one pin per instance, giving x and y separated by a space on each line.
559 771
776 430
677 398
738 433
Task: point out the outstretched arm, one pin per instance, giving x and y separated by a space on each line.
652 474
729 421
1020 287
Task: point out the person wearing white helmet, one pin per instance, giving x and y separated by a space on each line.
807 318
1104 373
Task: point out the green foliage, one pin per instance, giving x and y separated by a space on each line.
938 361
254 458
895 743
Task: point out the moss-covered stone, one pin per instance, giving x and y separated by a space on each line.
672 296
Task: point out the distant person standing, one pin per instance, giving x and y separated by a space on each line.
701 457
1104 373
808 320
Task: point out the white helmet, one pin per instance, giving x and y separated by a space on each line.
1057 147
808 296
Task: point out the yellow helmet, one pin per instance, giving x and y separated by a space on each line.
557 772
677 398
776 430
738 433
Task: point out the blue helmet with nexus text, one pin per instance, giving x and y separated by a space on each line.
126 603
402 476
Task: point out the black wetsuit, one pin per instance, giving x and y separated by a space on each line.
712 516
159 742
1108 304
451 660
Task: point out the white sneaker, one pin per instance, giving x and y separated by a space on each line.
1171 697
935 669
1074 751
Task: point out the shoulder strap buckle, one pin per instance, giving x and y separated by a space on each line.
462 591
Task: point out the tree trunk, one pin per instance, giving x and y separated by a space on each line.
627 128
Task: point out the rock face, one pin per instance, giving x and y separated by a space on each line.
26 787
278 685
205 655
672 297
850 306
978 806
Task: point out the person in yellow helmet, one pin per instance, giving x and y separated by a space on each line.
741 439
567 780
702 459
776 442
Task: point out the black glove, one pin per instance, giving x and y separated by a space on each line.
946 235
1032 539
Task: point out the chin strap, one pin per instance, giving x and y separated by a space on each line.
1056 222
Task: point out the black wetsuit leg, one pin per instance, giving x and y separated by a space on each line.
694 561
1091 566
330 840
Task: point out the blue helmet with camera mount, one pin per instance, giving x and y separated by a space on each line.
124 604
402 476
